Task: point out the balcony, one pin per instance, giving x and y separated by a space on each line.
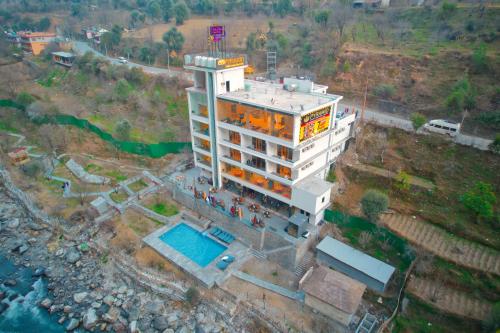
258 180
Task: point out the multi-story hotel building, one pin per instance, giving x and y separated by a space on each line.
278 140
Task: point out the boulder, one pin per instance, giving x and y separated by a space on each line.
122 290
40 271
46 303
3 307
13 224
160 323
172 318
10 282
109 300
112 315
133 328
169 330
73 324
80 297
72 256
23 248
90 319
67 309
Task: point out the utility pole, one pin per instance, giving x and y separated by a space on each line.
364 102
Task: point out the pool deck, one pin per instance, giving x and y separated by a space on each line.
208 275
276 223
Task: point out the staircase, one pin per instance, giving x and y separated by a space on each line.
258 254
306 263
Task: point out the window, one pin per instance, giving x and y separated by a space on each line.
234 137
323 199
307 165
259 145
284 153
311 146
228 86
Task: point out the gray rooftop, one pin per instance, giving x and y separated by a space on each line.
273 96
314 185
64 54
362 262
298 219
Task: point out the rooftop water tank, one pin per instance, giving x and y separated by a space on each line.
187 59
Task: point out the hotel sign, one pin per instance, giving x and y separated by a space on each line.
230 62
314 123
217 33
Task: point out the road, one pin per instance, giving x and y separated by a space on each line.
370 114
385 119
81 48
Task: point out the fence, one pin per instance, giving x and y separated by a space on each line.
154 150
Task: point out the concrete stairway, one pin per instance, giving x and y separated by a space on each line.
258 254
306 263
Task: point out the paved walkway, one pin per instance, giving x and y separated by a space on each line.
296 295
443 244
448 300
415 181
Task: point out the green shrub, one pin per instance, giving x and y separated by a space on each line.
32 169
192 296
480 200
373 203
495 145
417 120
24 98
384 90
479 59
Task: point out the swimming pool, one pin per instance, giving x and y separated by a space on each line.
192 244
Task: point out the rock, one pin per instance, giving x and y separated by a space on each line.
46 303
61 320
10 282
73 324
39 272
172 318
72 256
79 297
183 329
35 227
3 307
112 315
155 308
13 224
109 300
23 248
90 319
130 293
119 327
200 317
60 252
122 290
96 305
133 327
2 295
160 323
67 309
169 330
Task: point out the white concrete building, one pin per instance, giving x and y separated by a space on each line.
278 140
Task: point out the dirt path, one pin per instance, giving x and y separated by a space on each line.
415 181
447 299
444 245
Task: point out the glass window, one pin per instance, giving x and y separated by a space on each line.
256 119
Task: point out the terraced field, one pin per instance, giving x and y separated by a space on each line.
444 245
447 299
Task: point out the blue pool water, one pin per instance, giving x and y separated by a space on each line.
193 244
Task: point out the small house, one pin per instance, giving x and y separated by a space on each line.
63 58
375 274
332 293
19 156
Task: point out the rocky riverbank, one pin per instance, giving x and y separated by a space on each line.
85 291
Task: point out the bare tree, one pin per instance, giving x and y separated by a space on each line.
380 24
341 15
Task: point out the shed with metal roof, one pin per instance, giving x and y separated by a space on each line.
374 273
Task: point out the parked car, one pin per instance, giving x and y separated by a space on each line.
443 127
122 60
306 234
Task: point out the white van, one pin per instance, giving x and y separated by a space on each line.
443 127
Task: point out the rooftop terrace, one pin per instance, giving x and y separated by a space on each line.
274 96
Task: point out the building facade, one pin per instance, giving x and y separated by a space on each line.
278 140
35 42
